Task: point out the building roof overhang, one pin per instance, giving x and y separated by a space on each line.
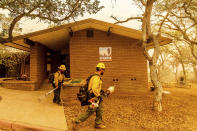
56 38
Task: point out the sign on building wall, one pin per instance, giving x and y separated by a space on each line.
105 53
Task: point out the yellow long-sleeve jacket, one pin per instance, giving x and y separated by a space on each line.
95 85
58 77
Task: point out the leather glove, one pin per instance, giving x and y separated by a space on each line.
94 99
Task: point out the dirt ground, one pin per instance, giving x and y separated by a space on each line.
132 110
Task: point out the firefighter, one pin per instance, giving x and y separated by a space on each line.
94 88
58 83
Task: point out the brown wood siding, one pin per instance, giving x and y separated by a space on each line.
127 62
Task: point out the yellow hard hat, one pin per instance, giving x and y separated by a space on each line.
62 67
101 65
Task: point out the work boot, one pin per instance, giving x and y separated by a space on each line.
60 103
100 126
74 125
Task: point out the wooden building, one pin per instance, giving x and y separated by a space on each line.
80 46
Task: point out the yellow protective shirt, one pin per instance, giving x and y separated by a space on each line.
58 77
95 84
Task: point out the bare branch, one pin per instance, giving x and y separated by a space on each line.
15 20
170 27
191 26
192 51
174 36
6 8
53 11
161 24
188 13
180 30
128 19
77 5
185 17
143 2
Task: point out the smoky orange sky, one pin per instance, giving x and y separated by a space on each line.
120 8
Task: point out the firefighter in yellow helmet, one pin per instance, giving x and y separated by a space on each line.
58 82
94 87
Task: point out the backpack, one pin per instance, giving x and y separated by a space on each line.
51 77
84 95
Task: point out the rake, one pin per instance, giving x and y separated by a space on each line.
46 94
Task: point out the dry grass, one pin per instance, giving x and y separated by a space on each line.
125 111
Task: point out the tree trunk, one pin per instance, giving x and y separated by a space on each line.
147 38
176 75
182 64
154 76
195 73
159 73
158 87
184 72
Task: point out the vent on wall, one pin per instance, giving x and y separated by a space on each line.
90 33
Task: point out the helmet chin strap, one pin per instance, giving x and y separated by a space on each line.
61 71
101 72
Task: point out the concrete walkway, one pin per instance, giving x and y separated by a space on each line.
22 110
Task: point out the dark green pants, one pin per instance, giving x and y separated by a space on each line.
99 111
57 92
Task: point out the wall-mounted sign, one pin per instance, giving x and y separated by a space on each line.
105 53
